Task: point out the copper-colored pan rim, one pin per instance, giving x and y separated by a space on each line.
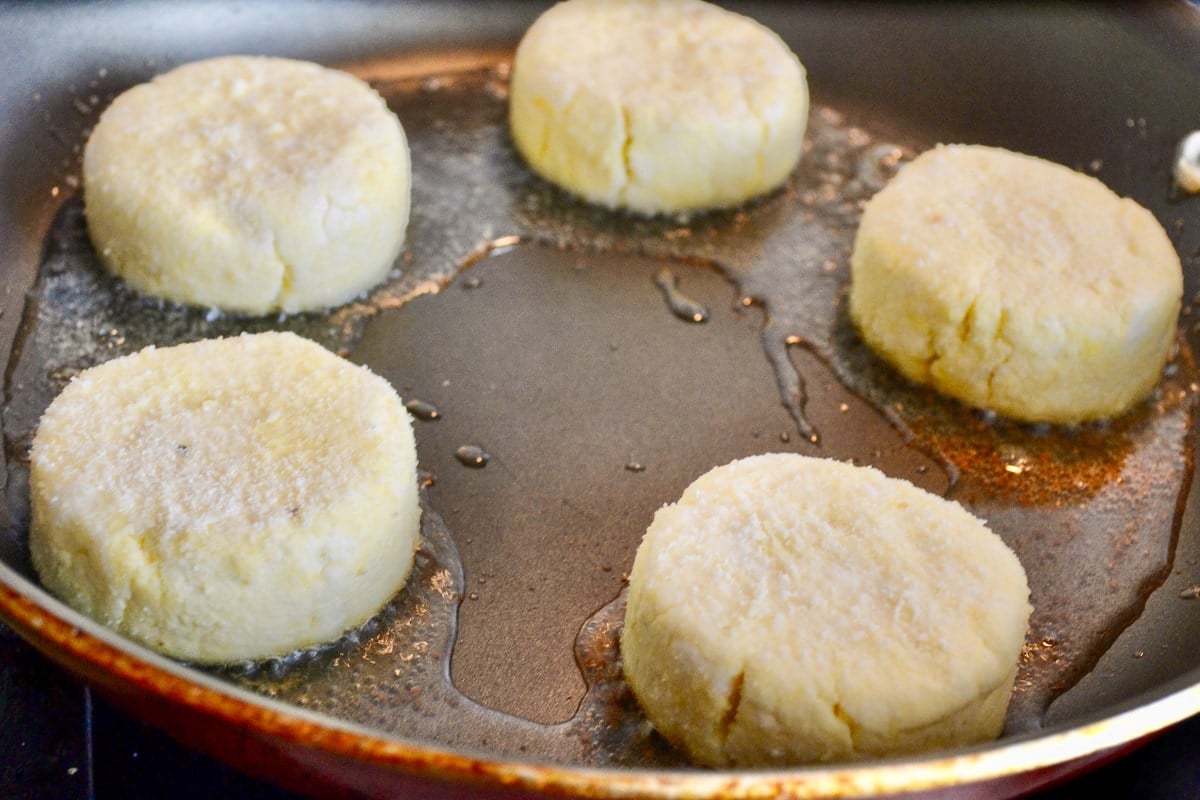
88 649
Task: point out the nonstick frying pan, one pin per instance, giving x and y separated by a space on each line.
544 333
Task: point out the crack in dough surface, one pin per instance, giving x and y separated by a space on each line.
790 609
1016 285
657 106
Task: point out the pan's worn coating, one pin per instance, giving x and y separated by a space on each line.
557 343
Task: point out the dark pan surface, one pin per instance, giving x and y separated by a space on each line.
543 333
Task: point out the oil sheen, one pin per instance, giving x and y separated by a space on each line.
675 344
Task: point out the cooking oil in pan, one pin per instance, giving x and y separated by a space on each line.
422 410
680 304
472 455
1092 511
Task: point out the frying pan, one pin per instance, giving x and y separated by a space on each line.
540 330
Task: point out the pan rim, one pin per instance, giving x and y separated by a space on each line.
58 630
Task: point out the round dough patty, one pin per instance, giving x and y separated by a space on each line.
248 184
1016 285
657 105
227 499
790 609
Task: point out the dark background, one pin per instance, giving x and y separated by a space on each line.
60 741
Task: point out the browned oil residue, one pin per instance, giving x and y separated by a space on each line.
1092 512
